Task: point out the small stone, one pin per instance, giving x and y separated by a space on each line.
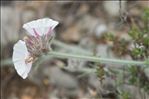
63 81
100 29
109 85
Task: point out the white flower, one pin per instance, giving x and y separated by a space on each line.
34 45
40 26
21 59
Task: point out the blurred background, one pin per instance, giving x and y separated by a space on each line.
113 29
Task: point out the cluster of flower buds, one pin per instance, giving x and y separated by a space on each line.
36 43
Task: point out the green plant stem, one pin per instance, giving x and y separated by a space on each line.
94 58
87 58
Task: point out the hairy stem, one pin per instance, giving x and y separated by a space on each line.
94 58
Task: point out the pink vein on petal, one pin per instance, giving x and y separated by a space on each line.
35 32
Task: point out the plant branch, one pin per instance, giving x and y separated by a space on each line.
95 59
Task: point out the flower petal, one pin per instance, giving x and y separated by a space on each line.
25 74
19 55
41 26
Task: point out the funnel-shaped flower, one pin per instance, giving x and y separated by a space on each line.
34 45
40 34
21 59
40 27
